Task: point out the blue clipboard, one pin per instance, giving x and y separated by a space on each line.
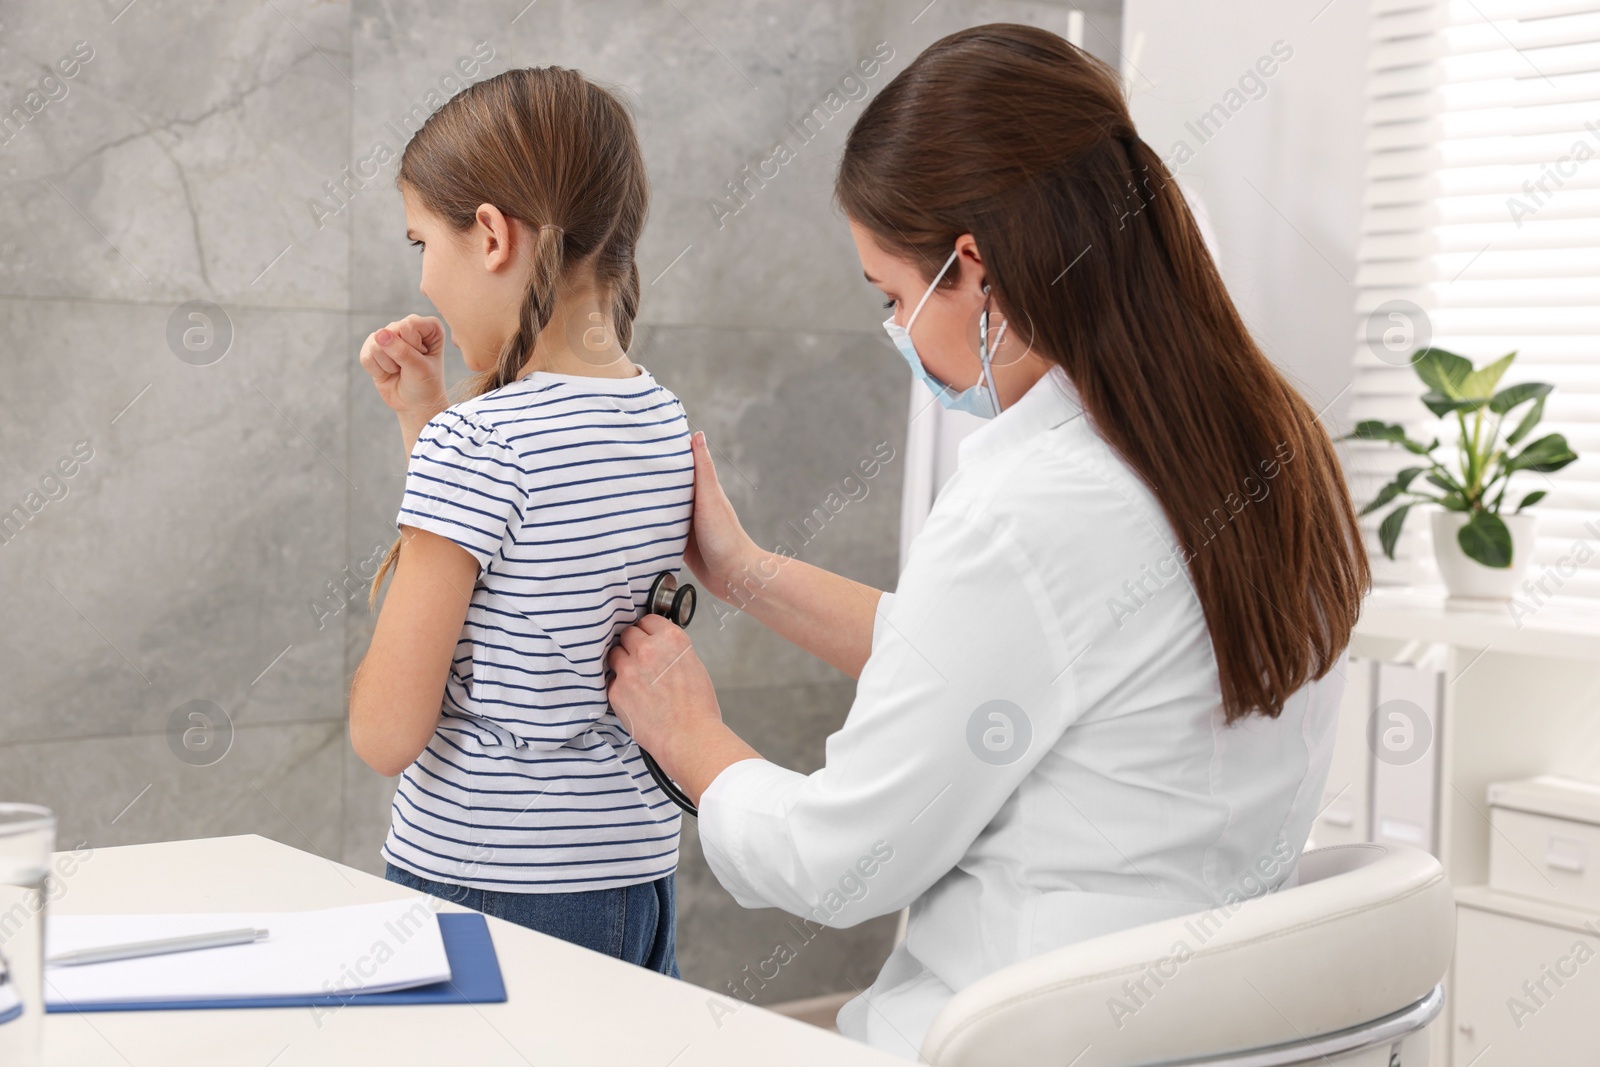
474 979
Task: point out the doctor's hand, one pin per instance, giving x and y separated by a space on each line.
718 547
664 698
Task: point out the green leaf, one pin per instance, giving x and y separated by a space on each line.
1386 494
1486 539
1529 421
1376 430
1532 498
1392 432
1480 383
1442 371
1389 529
1441 480
1454 502
1521 393
1401 483
1442 405
1548 453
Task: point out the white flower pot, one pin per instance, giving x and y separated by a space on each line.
1467 579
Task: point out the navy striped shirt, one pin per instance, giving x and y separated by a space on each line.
572 492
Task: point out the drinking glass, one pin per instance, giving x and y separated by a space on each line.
27 838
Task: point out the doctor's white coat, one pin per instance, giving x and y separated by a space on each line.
1036 752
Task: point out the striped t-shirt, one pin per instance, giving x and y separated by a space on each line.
573 493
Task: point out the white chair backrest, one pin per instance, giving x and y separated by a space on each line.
1367 931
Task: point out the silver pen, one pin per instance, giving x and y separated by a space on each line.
189 942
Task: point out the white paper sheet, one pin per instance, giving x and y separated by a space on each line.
361 948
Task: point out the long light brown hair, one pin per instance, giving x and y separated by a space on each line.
549 147
1013 135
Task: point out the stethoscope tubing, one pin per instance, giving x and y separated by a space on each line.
675 602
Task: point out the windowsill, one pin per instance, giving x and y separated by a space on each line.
1557 629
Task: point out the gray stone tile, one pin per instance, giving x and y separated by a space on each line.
712 90
743 230
279 781
789 417
790 724
912 25
408 57
367 797
186 557
778 254
377 464
182 157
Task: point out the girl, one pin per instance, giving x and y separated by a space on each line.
536 514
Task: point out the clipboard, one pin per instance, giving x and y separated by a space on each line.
475 978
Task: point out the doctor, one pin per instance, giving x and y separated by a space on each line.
1104 691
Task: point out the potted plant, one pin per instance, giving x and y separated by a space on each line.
1482 549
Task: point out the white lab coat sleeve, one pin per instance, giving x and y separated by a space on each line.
967 687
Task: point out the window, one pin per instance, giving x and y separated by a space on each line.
1482 210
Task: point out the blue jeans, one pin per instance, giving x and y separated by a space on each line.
633 923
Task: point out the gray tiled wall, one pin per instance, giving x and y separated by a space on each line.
198 553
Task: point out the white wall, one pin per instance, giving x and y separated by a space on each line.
1281 179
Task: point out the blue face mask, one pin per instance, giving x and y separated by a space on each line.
980 398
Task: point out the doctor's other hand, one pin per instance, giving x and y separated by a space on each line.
661 691
718 548
406 362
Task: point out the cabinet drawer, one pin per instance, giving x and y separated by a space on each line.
1545 857
1524 992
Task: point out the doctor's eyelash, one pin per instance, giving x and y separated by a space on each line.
415 243
887 304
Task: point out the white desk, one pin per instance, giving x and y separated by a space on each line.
566 1005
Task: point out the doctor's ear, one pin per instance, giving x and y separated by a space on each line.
971 255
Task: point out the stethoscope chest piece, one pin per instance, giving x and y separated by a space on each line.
667 598
675 602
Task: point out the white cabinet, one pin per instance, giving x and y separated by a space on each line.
1546 841
1526 984
1342 816
1405 764
1383 781
1519 698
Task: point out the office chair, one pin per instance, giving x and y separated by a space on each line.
1343 969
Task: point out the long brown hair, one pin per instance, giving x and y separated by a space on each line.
1015 136
549 147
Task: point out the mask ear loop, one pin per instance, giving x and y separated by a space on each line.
918 309
985 354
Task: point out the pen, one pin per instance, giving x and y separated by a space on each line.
218 939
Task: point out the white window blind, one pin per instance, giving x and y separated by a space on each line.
1482 209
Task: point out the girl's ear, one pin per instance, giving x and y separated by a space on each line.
495 236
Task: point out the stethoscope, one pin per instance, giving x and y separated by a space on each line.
668 598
